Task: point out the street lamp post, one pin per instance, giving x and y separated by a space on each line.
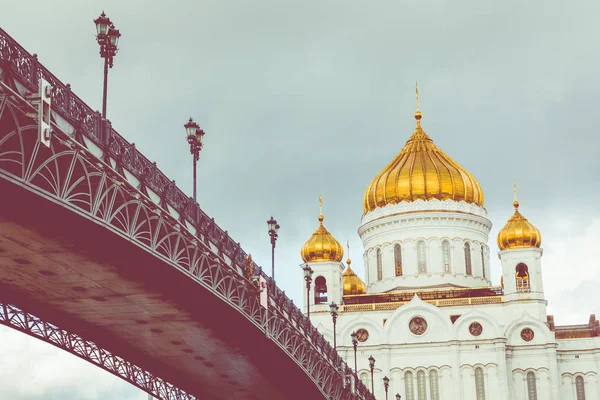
107 37
273 228
372 367
386 385
308 272
398 397
195 137
353 335
333 309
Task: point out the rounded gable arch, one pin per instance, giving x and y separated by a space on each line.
397 327
516 335
360 322
490 327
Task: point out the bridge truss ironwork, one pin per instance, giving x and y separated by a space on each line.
22 321
87 170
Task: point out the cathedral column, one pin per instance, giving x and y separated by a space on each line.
592 387
502 371
544 385
554 374
402 385
448 388
468 383
519 388
597 383
456 372
567 388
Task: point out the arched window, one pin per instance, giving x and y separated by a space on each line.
522 278
483 260
434 386
320 290
408 384
479 385
421 386
364 378
379 267
579 388
446 253
531 391
468 259
398 259
422 257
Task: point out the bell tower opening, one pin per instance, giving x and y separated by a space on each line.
320 290
522 278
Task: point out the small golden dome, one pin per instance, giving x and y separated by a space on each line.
518 233
351 283
322 246
421 171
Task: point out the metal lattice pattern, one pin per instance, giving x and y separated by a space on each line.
22 321
72 176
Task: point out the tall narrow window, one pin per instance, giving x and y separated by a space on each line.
320 290
483 259
434 386
398 259
421 386
421 257
522 278
531 391
579 388
364 378
367 265
408 384
479 386
468 259
446 252
379 267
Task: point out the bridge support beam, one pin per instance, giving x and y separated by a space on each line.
22 321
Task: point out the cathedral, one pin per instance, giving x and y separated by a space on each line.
427 323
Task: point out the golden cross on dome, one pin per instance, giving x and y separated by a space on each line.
515 189
348 261
321 204
417 90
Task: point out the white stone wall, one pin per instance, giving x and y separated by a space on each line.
579 358
530 257
332 272
449 222
449 349
452 351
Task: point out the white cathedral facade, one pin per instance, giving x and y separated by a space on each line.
428 312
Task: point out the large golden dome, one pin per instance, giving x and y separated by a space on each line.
421 171
518 233
322 246
351 283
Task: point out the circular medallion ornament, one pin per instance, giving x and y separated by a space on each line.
527 334
362 335
475 329
417 325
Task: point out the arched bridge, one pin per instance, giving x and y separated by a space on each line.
103 256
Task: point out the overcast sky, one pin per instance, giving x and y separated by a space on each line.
317 97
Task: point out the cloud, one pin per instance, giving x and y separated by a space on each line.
308 98
32 369
571 276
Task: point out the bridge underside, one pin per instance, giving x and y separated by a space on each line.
87 280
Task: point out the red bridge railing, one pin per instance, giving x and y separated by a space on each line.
88 124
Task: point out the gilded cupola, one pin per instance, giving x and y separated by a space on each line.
351 283
322 246
421 171
518 233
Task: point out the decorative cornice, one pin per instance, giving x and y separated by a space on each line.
428 218
424 205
